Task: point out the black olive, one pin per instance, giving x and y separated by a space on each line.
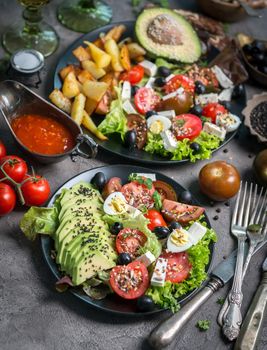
226 104
238 91
195 147
185 197
257 46
99 180
263 69
134 89
130 139
124 259
258 58
196 110
150 113
161 232
200 88
116 228
160 81
247 49
164 71
174 225
145 303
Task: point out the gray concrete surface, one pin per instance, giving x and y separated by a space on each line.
33 316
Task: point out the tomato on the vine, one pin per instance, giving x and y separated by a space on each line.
7 199
35 190
2 150
14 167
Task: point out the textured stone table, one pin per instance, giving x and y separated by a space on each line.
33 316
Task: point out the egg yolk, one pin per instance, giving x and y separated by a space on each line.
179 237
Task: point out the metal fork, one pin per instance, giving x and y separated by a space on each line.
232 318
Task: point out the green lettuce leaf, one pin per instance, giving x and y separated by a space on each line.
39 221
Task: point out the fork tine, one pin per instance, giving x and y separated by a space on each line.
255 196
256 206
234 217
248 210
263 206
240 216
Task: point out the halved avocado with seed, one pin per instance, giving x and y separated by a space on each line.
164 33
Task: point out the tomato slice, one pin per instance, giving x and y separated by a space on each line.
178 266
129 241
211 110
155 218
113 185
134 75
129 281
178 81
136 122
146 99
186 126
138 195
165 190
180 212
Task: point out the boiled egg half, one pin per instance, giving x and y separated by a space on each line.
115 204
158 123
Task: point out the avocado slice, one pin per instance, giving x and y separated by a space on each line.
83 189
164 33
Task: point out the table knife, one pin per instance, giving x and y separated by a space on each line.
166 331
252 326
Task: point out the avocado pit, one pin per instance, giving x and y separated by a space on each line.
163 30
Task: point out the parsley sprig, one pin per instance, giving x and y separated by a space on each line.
203 325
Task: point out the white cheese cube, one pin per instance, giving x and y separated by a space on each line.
159 274
168 114
149 67
226 94
180 90
206 98
196 232
222 78
126 91
128 107
169 77
150 82
169 140
171 95
147 259
134 212
215 130
148 176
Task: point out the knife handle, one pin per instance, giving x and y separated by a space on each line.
166 331
252 326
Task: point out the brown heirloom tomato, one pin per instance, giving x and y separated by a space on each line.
219 180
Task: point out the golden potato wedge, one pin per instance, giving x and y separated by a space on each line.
60 100
108 78
125 58
81 53
90 105
94 89
92 68
115 33
70 86
100 57
65 71
88 123
77 108
125 41
99 43
84 75
139 59
112 49
135 50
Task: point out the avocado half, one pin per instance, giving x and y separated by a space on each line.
164 33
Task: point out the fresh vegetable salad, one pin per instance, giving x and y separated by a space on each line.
135 239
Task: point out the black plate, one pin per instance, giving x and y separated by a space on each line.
112 303
114 144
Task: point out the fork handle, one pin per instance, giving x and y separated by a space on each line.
233 318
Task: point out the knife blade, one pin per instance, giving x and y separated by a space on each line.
166 331
252 327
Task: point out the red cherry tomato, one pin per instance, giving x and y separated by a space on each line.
211 110
179 81
2 150
146 99
178 266
129 281
138 195
7 199
15 167
134 75
155 218
129 241
35 190
186 126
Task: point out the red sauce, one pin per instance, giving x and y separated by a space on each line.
42 134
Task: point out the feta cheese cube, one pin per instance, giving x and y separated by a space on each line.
226 94
148 176
169 140
214 130
169 77
126 91
168 114
159 274
147 259
222 78
196 232
150 82
206 98
134 212
171 95
128 107
149 67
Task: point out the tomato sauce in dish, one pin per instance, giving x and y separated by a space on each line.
42 134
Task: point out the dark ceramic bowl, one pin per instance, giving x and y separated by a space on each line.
16 99
222 10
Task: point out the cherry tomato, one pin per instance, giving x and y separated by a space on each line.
146 99
113 185
7 199
165 190
129 281
211 110
137 123
178 266
134 75
15 167
155 218
219 180
2 150
181 103
178 81
129 241
138 195
186 126
180 212
35 190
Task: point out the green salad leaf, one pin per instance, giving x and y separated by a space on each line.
166 297
203 325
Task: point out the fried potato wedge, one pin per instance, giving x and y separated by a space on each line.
88 123
66 70
61 101
125 58
77 108
112 49
94 89
100 57
135 50
92 68
81 53
70 86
